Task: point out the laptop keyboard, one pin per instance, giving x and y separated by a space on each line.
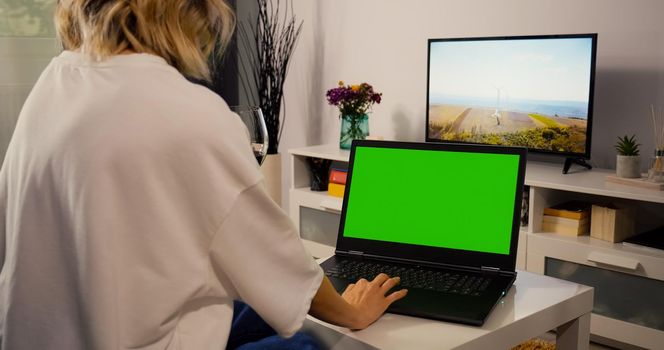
422 278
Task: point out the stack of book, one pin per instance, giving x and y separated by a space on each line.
337 184
569 218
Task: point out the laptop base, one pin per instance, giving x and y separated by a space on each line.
466 309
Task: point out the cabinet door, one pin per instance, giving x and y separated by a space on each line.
627 308
319 226
618 295
628 305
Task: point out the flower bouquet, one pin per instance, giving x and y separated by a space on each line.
354 102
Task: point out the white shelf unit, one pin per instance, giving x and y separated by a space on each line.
604 263
301 196
547 186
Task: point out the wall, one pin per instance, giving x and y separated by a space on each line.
384 42
27 44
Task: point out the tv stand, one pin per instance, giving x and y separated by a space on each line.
578 161
317 215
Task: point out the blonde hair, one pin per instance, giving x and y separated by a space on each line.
183 32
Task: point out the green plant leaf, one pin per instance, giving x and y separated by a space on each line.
627 146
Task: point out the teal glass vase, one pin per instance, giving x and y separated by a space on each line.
353 127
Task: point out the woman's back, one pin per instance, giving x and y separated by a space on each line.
117 177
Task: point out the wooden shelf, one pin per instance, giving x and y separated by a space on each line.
322 151
317 199
593 243
593 182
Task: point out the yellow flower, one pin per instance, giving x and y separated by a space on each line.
341 83
355 88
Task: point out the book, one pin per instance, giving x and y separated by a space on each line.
565 221
338 176
566 229
336 190
572 209
339 165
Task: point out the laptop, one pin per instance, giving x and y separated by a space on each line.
443 217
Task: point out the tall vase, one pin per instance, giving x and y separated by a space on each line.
271 170
353 127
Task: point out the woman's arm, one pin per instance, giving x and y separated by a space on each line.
360 305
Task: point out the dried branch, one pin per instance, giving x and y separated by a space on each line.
267 48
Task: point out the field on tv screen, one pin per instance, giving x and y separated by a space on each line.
556 133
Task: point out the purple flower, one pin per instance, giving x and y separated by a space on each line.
376 98
353 99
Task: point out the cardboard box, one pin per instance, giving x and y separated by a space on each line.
610 223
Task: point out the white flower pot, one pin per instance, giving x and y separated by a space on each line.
628 166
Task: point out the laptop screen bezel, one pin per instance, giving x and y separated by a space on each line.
427 254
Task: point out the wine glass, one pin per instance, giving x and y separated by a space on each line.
252 117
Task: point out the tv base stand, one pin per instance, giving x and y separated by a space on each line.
578 161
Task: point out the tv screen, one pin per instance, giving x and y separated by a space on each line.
531 91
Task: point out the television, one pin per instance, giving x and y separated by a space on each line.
531 91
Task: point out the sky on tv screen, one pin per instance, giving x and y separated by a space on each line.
551 75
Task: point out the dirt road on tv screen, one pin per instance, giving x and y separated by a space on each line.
474 124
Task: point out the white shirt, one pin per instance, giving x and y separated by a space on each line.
132 213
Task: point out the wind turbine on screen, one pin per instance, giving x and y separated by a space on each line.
496 113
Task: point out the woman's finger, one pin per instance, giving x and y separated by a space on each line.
380 279
396 295
349 287
390 283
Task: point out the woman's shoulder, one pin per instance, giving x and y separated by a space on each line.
143 99
143 77
168 98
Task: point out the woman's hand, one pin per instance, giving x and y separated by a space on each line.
370 299
360 305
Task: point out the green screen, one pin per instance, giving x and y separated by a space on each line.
457 200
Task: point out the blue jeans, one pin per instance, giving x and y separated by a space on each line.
250 332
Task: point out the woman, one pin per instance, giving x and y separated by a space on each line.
133 212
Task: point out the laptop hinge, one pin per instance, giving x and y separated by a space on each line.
355 253
490 269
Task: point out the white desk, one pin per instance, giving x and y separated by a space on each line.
533 306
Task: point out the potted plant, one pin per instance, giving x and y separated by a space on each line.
628 160
354 102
